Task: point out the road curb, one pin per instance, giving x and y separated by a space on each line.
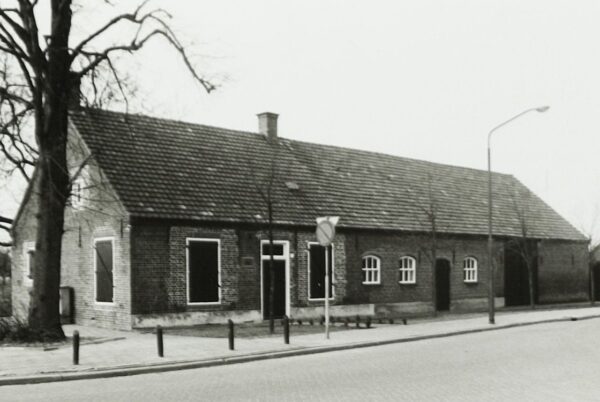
186 365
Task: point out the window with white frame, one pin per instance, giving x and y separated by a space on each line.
470 269
103 269
371 267
316 271
204 271
407 268
79 189
29 255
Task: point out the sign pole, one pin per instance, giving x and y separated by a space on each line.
327 292
325 233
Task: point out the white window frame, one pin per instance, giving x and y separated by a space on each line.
332 279
114 259
28 246
373 270
79 189
285 257
189 240
470 269
407 271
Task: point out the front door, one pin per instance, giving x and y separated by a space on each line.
277 277
442 285
597 281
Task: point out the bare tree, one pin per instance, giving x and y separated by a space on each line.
590 230
42 71
264 185
525 245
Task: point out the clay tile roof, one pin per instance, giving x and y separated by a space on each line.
171 169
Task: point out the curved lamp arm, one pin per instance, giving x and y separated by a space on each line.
540 109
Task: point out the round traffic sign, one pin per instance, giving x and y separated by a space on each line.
325 232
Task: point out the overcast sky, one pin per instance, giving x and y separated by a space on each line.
421 79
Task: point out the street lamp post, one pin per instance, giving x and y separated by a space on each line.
491 306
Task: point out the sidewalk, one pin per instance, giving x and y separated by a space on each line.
115 353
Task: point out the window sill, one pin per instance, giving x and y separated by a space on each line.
217 303
104 304
407 283
371 283
321 299
470 282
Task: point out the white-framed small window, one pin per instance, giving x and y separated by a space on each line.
104 264
79 189
371 267
470 270
28 257
407 268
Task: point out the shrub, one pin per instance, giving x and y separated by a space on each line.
13 330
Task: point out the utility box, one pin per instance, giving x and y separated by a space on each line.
66 305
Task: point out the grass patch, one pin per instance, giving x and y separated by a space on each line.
254 330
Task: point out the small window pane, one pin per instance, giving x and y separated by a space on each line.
277 249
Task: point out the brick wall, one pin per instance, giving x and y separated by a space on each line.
563 272
99 215
391 247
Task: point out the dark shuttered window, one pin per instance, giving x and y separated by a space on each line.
316 287
203 271
104 270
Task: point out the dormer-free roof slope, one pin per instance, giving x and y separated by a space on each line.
171 169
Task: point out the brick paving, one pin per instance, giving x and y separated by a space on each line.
122 349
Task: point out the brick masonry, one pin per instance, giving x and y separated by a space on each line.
99 215
150 277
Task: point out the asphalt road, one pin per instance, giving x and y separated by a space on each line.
550 362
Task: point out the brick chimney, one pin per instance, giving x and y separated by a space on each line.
267 125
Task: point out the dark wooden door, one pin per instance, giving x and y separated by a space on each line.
442 285
279 295
597 281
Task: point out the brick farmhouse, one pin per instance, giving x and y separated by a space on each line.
167 224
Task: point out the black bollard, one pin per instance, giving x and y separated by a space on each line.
311 322
357 321
299 322
322 320
331 319
230 324
369 322
159 341
346 322
75 347
391 320
380 321
404 321
286 330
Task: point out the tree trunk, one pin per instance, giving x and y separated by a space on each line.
531 287
271 273
53 176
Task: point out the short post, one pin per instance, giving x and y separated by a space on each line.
76 347
357 321
230 324
286 330
404 321
322 320
369 322
159 341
